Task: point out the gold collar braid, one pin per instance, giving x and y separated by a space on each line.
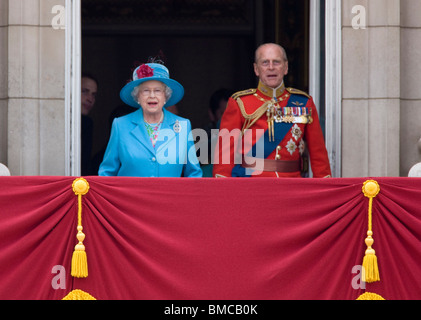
271 92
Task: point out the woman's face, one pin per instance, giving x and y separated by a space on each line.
151 96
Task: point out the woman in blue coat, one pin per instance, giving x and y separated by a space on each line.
151 142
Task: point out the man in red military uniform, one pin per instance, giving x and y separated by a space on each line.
265 131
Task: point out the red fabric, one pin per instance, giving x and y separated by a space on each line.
209 239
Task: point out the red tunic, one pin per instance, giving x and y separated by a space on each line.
244 110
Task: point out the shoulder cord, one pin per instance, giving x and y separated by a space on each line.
251 119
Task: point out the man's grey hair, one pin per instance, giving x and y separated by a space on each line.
270 44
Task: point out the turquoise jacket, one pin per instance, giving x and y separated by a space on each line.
130 151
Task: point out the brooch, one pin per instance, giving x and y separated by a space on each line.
177 127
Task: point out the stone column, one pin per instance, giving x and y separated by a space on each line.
4 5
371 89
410 119
34 104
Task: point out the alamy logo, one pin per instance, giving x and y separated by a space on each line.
357 282
59 20
58 281
360 18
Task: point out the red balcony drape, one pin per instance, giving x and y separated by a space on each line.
209 239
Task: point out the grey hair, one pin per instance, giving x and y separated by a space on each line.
167 89
272 44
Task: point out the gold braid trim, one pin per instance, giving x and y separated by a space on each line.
243 93
296 91
251 119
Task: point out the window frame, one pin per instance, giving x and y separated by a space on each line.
329 36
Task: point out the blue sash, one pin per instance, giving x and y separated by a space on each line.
280 129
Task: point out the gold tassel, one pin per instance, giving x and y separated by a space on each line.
78 295
79 258
370 272
370 296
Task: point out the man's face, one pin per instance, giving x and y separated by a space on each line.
271 65
89 90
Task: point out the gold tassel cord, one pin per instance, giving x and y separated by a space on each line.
370 272
79 259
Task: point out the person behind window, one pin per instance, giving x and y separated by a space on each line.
89 87
217 104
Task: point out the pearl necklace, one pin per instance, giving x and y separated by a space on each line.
160 120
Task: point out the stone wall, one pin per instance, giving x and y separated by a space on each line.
410 104
371 89
381 98
32 88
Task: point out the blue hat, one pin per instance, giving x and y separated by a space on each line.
147 72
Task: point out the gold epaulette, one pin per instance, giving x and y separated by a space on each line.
243 93
296 91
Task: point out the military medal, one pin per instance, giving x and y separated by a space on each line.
291 146
296 132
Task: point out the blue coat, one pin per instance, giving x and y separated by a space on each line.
130 151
